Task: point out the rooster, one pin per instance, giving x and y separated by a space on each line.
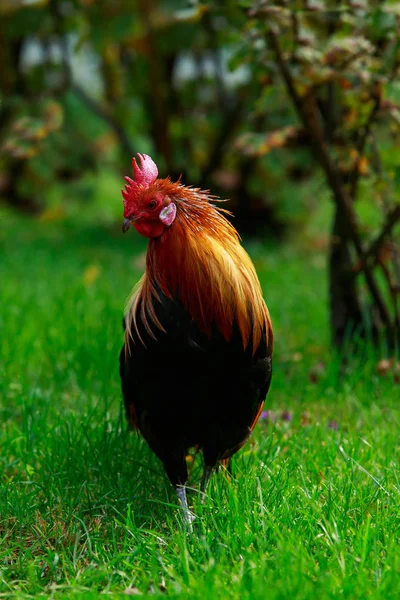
196 364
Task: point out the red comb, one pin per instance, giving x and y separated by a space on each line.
144 175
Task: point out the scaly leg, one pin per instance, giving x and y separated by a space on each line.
205 479
188 517
176 469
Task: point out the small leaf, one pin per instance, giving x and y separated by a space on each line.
358 4
362 166
305 419
315 6
90 274
191 15
52 214
254 144
345 84
317 371
392 8
308 54
277 14
140 261
347 49
384 366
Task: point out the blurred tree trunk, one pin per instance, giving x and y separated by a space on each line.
346 317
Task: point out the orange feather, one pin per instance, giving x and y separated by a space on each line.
200 260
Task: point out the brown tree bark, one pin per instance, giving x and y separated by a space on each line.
346 317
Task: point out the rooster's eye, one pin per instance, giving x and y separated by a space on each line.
152 204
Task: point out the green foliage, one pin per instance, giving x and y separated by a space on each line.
27 134
161 77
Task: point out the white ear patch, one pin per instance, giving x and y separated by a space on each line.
168 214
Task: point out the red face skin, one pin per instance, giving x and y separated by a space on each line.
146 215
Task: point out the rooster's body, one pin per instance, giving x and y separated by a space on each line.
196 364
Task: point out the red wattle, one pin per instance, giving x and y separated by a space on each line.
149 229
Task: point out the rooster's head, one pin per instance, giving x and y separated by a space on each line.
147 204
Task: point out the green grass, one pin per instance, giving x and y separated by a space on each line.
312 510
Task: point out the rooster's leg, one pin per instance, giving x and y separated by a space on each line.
205 479
176 469
188 517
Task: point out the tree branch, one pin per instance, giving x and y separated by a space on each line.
363 138
393 290
391 219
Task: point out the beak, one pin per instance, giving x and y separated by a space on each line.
126 224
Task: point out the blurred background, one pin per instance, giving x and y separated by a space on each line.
289 109
87 84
